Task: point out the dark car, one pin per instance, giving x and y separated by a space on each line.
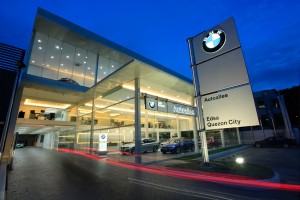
68 80
178 145
278 141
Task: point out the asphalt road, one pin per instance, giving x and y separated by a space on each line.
48 175
285 161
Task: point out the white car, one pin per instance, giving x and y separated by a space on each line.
19 145
147 145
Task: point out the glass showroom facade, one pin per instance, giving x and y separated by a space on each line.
79 86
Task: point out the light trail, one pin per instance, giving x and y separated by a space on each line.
192 175
119 152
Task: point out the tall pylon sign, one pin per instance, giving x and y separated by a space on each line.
223 92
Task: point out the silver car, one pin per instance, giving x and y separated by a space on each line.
148 144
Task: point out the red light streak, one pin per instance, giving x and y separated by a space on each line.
192 175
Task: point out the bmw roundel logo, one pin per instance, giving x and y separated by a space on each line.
214 41
151 104
103 136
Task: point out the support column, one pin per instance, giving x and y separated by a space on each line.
137 119
178 126
238 135
222 138
204 147
146 124
92 126
196 136
198 102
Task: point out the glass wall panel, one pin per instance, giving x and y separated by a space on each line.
103 65
79 66
90 69
54 59
67 58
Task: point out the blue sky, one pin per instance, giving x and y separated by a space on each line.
269 30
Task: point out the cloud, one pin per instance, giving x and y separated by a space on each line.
275 62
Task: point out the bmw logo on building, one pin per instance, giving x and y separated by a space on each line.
214 41
103 136
151 104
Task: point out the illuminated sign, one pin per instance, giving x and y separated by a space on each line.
103 142
228 109
169 107
214 41
162 106
151 104
181 109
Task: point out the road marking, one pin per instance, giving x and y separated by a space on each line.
176 190
191 192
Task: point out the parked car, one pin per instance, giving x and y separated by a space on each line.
278 141
68 80
20 145
148 144
165 142
178 145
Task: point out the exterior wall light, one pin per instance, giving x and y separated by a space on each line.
239 160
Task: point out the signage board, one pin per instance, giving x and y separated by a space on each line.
222 72
230 108
102 142
150 104
169 107
162 106
181 109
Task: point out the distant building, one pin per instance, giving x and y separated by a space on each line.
273 117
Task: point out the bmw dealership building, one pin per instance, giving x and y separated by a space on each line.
78 85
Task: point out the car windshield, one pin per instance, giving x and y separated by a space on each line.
174 140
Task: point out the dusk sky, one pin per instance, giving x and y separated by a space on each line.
269 30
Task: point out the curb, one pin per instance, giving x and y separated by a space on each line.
224 153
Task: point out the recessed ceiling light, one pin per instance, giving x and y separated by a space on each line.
148 87
81 74
67 56
92 72
61 64
101 67
57 46
78 54
40 48
104 72
52 57
177 95
43 64
86 57
66 70
84 62
162 91
32 61
89 68
112 66
39 41
61 48
48 65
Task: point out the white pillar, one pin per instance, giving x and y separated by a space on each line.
238 135
204 147
178 126
146 124
137 121
222 138
196 136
